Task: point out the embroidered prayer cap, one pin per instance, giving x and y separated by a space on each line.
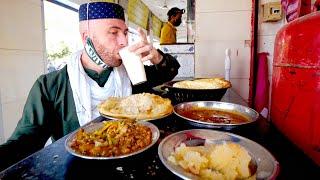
100 10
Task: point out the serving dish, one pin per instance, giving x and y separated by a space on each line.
250 114
267 166
91 127
178 95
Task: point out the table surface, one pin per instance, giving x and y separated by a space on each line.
54 162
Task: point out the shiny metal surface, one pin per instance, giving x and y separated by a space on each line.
94 126
251 114
267 165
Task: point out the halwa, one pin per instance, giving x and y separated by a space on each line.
221 161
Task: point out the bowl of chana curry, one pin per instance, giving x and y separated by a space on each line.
112 139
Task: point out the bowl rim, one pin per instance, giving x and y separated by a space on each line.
273 175
169 85
208 124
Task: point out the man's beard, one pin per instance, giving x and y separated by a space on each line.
177 23
108 57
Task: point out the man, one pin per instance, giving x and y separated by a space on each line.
168 31
61 101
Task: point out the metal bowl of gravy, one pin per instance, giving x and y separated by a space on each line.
215 114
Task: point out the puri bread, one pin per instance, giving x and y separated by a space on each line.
137 106
207 83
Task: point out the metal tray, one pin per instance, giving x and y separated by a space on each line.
251 114
267 166
97 125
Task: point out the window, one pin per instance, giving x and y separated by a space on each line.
61 31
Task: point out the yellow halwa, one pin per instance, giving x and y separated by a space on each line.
224 161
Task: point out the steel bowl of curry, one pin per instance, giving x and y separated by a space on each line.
215 114
113 139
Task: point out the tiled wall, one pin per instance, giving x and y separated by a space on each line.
21 55
184 53
220 25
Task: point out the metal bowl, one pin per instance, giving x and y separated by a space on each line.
249 113
267 165
91 127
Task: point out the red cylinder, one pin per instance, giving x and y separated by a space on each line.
295 106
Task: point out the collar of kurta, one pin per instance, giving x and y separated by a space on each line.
101 78
172 26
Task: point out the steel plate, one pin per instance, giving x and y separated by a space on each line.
267 165
94 126
251 114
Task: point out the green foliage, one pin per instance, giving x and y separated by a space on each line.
59 53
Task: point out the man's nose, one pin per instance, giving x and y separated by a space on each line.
123 40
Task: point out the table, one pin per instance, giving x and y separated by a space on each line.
54 162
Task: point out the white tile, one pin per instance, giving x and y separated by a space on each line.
241 87
210 57
269 28
21 25
11 114
266 44
186 62
222 5
18 72
178 48
223 26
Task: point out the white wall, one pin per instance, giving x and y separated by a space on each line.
224 24
22 52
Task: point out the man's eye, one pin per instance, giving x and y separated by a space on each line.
113 32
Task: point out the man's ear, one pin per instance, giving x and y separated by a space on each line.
84 36
171 17
175 17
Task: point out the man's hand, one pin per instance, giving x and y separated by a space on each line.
146 49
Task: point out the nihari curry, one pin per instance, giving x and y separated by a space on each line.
212 115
